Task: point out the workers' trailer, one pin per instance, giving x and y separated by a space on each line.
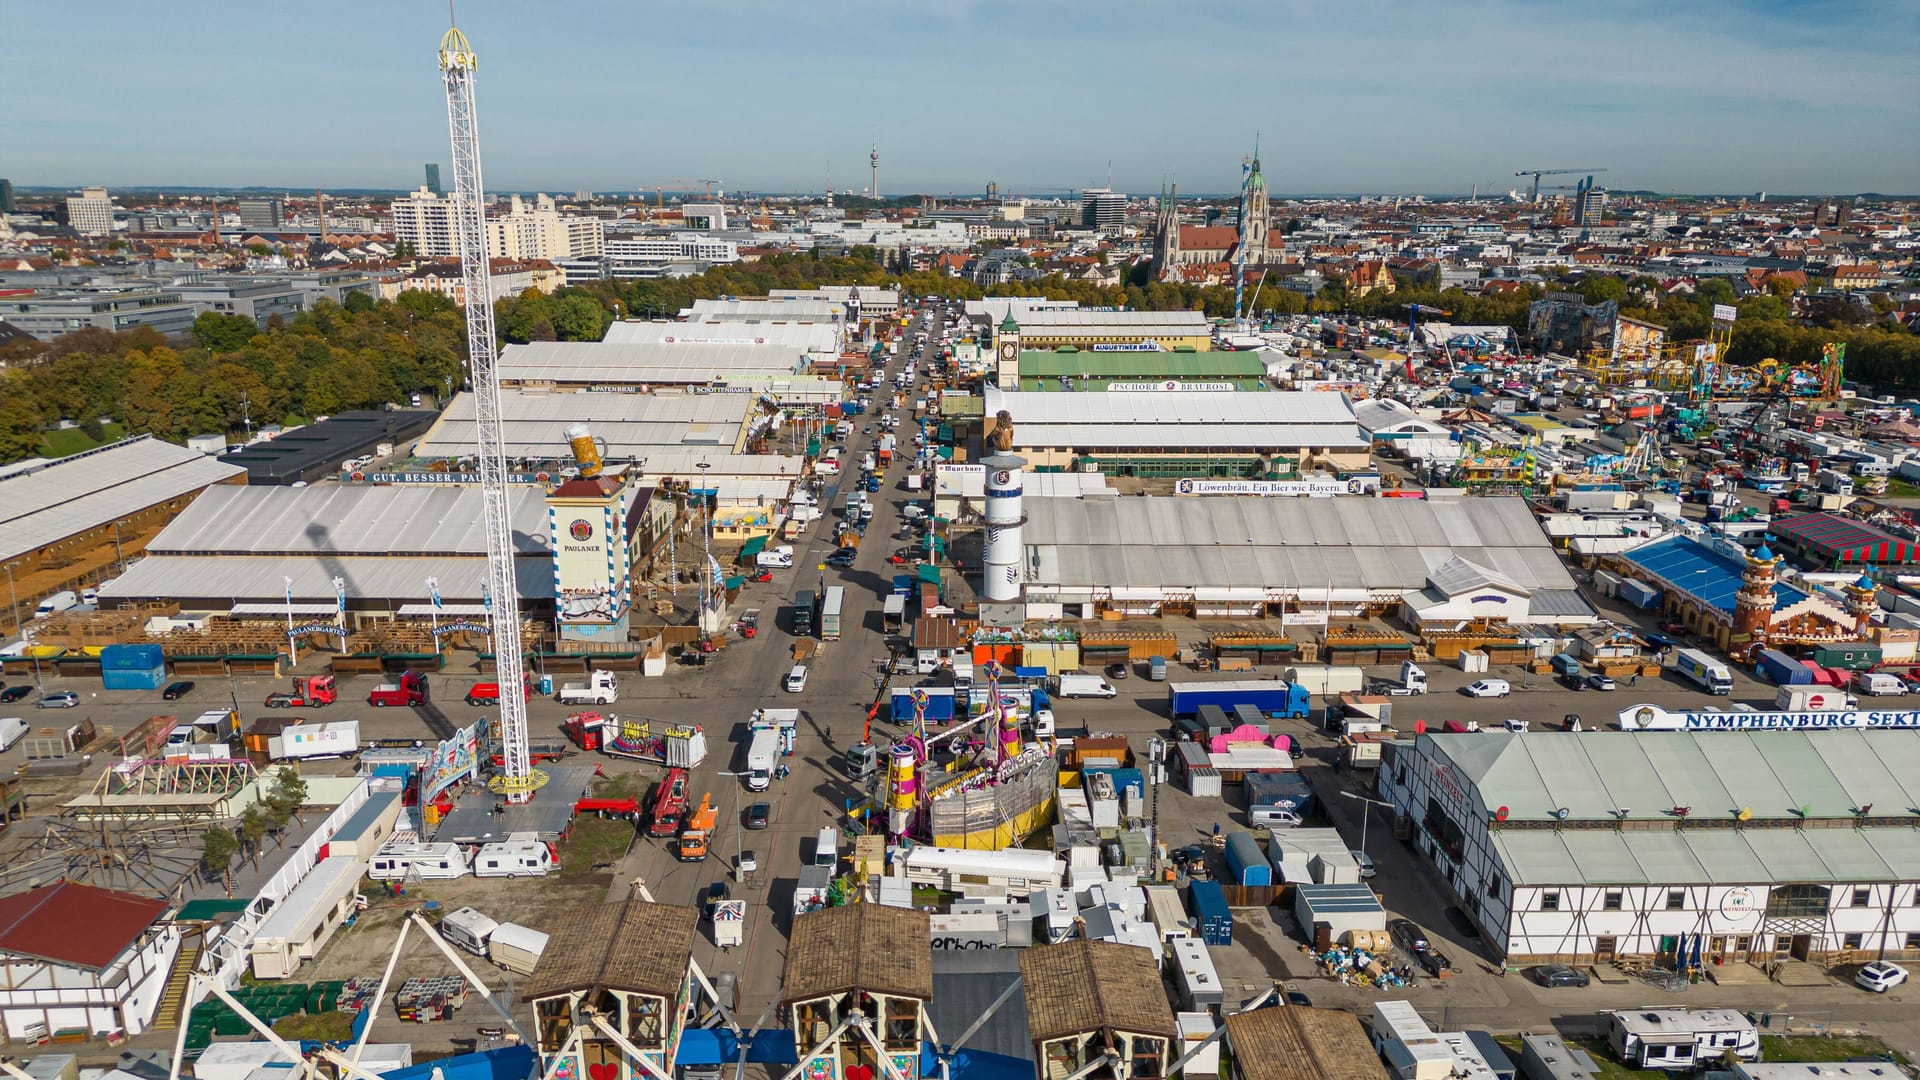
1167 913
429 862
336 738
303 922
1195 975
1278 699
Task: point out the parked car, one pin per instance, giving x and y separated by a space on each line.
1116 672
177 690
842 557
14 693
1366 863
1295 997
1601 682
747 863
1880 976
1559 975
58 699
758 814
1488 688
1407 935
715 893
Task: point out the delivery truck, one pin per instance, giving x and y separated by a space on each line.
1277 699
1811 697
1712 675
599 689
762 752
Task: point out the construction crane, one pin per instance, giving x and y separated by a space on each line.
680 183
1538 173
518 779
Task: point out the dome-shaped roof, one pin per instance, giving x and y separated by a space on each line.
1763 553
1865 583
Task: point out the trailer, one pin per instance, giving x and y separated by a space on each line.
1779 668
337 738
893 613
1246 861
1195 975
1327 680
1167 913
1276 699
519 855
516 948
301 924
678 746
428 862
830 609
940 704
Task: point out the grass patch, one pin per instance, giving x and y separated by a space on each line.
595 840
1901 489
324 1027
928 896
620 786
1824 1048
74 441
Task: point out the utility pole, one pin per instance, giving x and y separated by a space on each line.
1156 769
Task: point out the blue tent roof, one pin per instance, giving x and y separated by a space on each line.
715 1046
1763 553
1865 582
506 1063
1679 563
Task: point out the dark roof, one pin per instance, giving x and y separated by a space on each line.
969 982
1295 1043
627 946
869 947
1085 986
74 924
316 450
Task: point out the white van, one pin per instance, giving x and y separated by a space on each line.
1878 683
796 679
826 848
12 730
59 601
468 929
429 862
518 856
1072 686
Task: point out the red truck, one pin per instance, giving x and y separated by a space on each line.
410 690
669 802
309 692
488 693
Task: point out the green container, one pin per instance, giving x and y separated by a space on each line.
230 1025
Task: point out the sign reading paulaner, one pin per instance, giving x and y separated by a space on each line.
1655 718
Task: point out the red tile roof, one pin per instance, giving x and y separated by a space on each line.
70 923
1208 237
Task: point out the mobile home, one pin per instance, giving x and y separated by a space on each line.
1013 872
520 855
1680 1039
468 929
429 862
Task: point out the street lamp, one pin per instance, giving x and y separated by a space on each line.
706 543
1363 814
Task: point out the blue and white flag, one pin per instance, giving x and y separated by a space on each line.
289 592
433 587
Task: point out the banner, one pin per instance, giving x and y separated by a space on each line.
454 759
1655 718
1314 617
1295 488
1166 384
1725 313
1148 345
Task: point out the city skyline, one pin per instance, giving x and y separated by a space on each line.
1732 96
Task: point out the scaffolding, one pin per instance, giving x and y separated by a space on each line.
165 789
149 859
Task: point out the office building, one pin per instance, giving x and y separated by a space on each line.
260 298
1103 209
1591 206
433 179
423 220
89 213
540 231
47 315
6 196
262 213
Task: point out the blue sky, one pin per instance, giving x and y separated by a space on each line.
1800 96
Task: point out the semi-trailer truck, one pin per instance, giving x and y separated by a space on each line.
1272 698
1712 675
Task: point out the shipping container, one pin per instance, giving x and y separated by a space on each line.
1779 668
1851 655
1639 594
939 708
1279 791
1209 904
1246 862
1203 782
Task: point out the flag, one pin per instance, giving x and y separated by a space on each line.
433 586
486 596
289 582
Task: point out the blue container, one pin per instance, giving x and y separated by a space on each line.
133 679
1780 669
1210 908
1248 865
1280 791
1639 594
131 657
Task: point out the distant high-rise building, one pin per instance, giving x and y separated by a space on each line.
873 185
993 190
6 196
262 213
433 179
1103 209
89 213
542 232
1591 207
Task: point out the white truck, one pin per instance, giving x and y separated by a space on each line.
763 751
599 689
12 730
1712 675
1811 697
306 741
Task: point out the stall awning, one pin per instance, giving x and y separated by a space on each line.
1130 592
1230 595
733 582
754 547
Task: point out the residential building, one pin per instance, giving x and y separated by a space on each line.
540 231
424 220
89 213
262 213
508 277
47 315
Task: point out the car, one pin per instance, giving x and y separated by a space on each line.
715 893
1295 997
842 557
1487 688
1551 975
1572 682
1880 976
746 863
14 693
1601 682
1674 628
1117 672
1366 863
58 699
757 815
177 690
1407 935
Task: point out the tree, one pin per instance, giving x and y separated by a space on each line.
217 849
358 303
223 333
285 798
253 826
